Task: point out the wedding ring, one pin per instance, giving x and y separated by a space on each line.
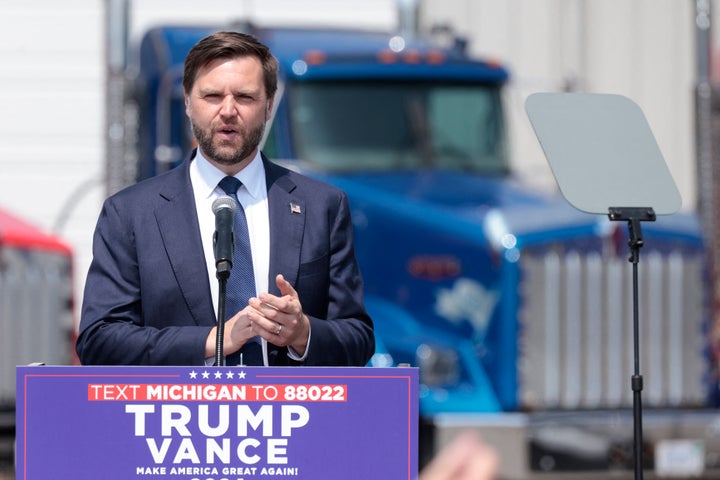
279 329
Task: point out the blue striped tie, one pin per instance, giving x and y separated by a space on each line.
241 283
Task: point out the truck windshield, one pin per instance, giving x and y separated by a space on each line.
361 126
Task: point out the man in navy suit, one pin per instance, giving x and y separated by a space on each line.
151 288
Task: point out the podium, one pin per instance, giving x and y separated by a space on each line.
202 423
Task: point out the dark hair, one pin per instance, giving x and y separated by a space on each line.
230 45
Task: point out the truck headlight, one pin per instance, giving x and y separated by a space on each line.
439 367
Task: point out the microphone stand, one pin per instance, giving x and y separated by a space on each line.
222 274
634 216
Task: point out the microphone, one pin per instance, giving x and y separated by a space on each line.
223 240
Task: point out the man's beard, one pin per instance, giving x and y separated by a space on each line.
250 141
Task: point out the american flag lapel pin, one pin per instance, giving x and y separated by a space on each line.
295 208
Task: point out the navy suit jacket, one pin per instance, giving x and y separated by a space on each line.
147 297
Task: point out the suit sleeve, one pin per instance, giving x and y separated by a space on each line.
344 336
117 326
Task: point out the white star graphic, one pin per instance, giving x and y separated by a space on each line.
218 374
241 375
193 374
205 374
230 374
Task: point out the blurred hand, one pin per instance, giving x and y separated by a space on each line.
467 457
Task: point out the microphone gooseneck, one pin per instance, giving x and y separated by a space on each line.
223 241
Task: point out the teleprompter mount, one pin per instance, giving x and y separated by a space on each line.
603 154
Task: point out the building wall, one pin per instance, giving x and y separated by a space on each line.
51 126
642 49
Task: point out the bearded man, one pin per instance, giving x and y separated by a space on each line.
152 290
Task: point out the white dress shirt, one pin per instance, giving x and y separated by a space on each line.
205 177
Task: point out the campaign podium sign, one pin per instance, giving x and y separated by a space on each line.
203 423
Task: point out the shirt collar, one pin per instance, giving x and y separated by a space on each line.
252 176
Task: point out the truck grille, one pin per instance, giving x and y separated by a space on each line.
35 312
576 330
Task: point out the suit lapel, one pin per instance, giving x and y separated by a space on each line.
178 224
287 223
180 231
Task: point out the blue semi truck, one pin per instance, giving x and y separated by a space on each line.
515 307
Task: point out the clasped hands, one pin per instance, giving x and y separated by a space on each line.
279 320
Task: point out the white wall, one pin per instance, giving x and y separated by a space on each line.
51 126
643 49
356 13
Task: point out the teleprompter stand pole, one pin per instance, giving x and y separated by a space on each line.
634 216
